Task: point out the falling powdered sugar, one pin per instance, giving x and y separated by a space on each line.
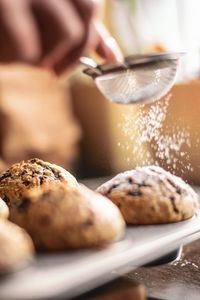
153 143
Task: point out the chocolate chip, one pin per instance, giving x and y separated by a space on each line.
155 171
5 175
144 184
134 193
113 186
87 223
56 174
33 160
24 204
178 190
172 183
130 180
48 168
26 182
41 179
6 199
172 198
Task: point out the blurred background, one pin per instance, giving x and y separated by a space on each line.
70 123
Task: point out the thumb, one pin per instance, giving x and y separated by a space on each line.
107 46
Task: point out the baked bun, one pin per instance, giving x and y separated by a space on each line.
23 176
60 217
151 195
16 247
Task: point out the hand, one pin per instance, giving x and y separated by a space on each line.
52 33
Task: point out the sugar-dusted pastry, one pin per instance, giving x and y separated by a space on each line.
151 195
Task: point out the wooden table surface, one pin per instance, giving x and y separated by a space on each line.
179 280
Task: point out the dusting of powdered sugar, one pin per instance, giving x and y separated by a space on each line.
162 143
185 263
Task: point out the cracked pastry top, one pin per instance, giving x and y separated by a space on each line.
151 195
26 175
4 211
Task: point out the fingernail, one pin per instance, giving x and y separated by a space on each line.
114 47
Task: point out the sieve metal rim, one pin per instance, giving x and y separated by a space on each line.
134 61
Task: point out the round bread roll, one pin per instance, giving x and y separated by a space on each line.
60 217
26 175
16 247
151 195
4 211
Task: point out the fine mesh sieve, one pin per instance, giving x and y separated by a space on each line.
140 79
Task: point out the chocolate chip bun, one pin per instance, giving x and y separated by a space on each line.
26 175
151 195
60 217
16 247
4 211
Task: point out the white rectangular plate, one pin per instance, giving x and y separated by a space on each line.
72 273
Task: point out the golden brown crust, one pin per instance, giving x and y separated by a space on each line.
59 217
16 246
151 195
26 175
4 211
